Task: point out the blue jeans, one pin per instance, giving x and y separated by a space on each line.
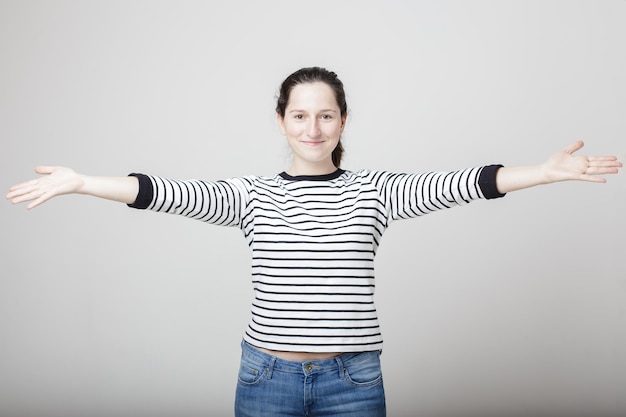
349 385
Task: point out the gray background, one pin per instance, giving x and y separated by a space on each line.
510 307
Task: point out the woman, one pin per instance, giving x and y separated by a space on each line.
313 342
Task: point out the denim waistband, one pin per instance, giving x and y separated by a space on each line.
273 363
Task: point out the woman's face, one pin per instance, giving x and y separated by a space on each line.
312 124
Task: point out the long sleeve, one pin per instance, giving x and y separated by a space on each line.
412 195
217 202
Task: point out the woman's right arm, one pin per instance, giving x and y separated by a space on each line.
57 181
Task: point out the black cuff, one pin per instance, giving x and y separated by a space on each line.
144 196
487 182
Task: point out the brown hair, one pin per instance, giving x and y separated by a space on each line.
312 75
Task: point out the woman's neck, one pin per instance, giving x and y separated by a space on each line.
311 169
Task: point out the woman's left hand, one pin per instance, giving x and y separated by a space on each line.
564 166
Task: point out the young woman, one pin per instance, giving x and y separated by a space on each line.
313 342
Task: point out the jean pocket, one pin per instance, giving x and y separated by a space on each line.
364 373
250 374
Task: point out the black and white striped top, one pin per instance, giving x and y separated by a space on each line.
313 241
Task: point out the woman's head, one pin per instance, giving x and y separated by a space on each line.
315 76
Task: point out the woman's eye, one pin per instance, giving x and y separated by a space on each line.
298 117
327 116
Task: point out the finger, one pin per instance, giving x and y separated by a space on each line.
31 194
37 202
575 146
604 164
45 169
22 189
589 177
12 193
601 170
25 184
604 160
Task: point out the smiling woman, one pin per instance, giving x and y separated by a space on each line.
312 125
313 341
312 111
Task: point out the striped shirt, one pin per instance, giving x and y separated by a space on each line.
313 242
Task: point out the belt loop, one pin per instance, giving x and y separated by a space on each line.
340 366
270 367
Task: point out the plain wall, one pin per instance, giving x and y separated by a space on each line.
514 307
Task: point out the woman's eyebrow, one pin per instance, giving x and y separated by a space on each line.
321 111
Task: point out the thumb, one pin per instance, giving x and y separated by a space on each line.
44 169
575 146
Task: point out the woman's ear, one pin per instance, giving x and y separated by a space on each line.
343 122
281 123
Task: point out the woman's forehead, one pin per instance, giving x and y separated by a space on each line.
312 94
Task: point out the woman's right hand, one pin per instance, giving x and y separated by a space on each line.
54 181
57 181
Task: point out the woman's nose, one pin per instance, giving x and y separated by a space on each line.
314 128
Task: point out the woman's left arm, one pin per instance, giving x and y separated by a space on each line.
562 166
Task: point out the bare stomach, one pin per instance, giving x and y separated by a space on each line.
300 356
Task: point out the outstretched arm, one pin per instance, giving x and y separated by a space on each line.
562 166
59 180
